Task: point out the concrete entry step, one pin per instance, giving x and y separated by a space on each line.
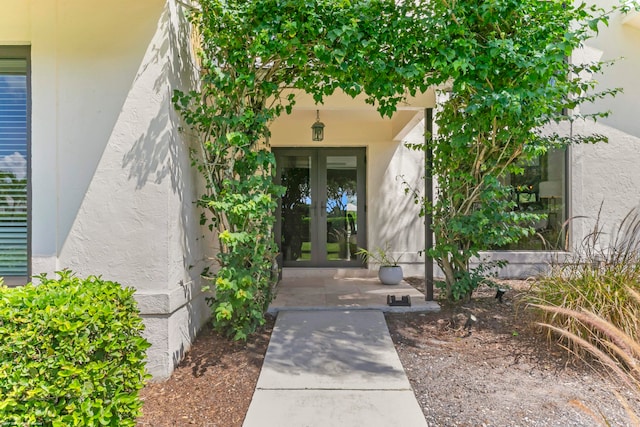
335 273
332 368
325 289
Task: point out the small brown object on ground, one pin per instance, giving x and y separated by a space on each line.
495 371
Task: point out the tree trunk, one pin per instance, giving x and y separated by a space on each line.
449 276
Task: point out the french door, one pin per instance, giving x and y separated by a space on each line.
321 219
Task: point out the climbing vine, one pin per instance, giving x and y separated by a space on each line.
506 68
253 53
503 60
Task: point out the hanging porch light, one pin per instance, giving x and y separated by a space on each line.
317 129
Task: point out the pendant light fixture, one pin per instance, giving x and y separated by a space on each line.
317 129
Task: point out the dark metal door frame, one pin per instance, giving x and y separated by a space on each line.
318 214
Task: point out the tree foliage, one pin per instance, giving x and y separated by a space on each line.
507 68
503 60
252 54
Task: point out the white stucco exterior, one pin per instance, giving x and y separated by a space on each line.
608 174
112 187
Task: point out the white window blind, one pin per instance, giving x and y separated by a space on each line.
13 168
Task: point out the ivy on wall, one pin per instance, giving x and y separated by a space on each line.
502 63
252 54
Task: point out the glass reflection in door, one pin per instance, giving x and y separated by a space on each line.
340 206
296 208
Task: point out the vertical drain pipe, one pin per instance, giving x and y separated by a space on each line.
428 188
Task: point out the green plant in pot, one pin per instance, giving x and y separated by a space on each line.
389 272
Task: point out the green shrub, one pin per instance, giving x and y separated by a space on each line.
599 277
71 353
592 303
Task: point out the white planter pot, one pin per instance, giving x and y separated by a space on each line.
390 275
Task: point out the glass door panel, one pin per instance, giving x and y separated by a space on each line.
296 208
320 222
340 202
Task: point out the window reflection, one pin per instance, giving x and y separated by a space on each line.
341 207
296 208
540 189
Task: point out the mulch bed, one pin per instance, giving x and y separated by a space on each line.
212 386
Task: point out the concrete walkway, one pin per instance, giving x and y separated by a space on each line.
332 368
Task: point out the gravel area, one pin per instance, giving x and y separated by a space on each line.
501 372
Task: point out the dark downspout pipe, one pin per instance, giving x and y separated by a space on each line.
568 193
428 187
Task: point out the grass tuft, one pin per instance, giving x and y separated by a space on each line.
591 302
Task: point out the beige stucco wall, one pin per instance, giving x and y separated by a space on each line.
15 21
112 188
619 42
606 177
608 174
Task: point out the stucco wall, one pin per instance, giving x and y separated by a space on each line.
608 174
606 179
394 215
112 188
619 42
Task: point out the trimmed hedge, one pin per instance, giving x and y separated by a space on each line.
71 353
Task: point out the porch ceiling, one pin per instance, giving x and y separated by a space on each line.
342 110
342 101
632 19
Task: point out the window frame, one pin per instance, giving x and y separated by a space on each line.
564 210
24 52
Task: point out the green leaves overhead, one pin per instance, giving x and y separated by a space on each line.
502 62
317 46
506 69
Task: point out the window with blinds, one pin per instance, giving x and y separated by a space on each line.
14 213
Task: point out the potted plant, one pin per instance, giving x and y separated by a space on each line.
389 272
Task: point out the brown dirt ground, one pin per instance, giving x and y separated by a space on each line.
501 372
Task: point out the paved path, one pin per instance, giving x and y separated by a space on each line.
332 369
